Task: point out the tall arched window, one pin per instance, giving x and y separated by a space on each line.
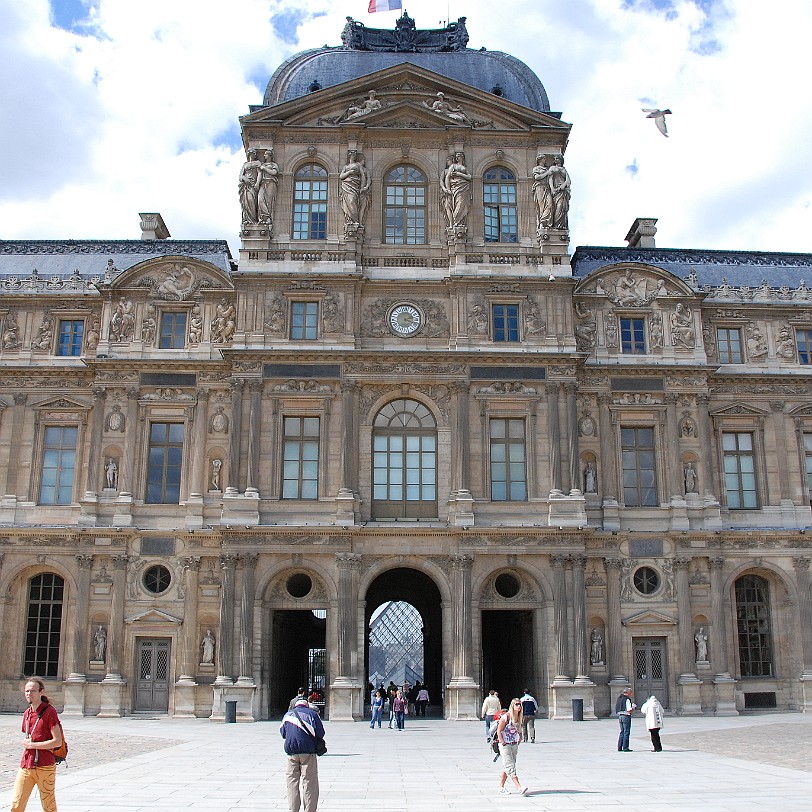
405 206
499 199
310 203
753 625
404 462
44 625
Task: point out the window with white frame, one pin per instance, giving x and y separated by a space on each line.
508 459
739 461
300 464
58 465
639 471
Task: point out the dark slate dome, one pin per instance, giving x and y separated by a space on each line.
442 51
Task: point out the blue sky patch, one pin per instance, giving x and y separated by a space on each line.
286 24
632 169
69 14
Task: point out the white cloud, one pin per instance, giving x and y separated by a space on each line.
137 108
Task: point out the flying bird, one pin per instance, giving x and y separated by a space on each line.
659 118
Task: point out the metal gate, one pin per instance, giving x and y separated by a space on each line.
650 670
152 680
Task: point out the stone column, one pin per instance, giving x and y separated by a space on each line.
346 696
688 685
572 437
74 697
17 429
191 569
561 632
462 696
460 438
249 565
579 612
614 627
554 432
113 683
236 434
673 464
228 563
254 421
725 684
708 468
608 471
801 565
778 426
96 428
349 410
126 474
197 486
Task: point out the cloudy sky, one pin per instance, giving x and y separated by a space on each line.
111 107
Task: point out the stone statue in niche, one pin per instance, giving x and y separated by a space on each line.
355 181
196 325
93 335
596 648
691 479
224 322
207 645
590 478
586 327
276 315
784 344
332 315
249 188
756 343
534 324
682 327
148 325
122 321
45 334
10 332
216 466
111 474
701 640
455 188
99 644
268 184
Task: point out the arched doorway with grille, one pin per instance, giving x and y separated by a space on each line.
403 632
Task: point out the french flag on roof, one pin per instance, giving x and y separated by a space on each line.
383 5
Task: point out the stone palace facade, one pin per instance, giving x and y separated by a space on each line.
584 471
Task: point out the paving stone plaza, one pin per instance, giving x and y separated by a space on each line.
160 764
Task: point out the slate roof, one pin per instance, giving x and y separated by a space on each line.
481 69
88 258
711 268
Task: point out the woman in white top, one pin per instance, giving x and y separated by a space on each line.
509 732
654 720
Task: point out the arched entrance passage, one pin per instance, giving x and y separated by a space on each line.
415 588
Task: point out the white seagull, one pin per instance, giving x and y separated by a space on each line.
659 118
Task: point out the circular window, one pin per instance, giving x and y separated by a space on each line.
646 580
157 579
299 585
507 585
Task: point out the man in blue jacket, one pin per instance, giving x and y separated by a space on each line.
300 728
529 709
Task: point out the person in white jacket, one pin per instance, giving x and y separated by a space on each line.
655 716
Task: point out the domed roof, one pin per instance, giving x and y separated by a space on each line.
442 51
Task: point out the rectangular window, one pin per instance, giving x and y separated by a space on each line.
300 466
71 334
508 469
639 474
740 470
165 463
505 322
632 336
803 339
808 450
303 317
58 465
173 331
729 340
310 210
44 628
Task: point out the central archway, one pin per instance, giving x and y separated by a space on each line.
412 587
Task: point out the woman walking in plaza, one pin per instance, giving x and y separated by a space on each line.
377 709
509 733
43 733
400 705
655 714
422 701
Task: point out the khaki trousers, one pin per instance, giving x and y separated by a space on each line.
304 769
42 777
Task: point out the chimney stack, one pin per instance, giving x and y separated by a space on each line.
641 234
153 226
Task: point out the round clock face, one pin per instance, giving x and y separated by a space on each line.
405 319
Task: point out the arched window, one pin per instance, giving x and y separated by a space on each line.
404 462
310 203
753 626
405 206
44 625
499 198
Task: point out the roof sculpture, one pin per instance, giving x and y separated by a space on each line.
406 37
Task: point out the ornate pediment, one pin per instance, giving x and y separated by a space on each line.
154 616
738 410
61 405
628 285
174 279
649 617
